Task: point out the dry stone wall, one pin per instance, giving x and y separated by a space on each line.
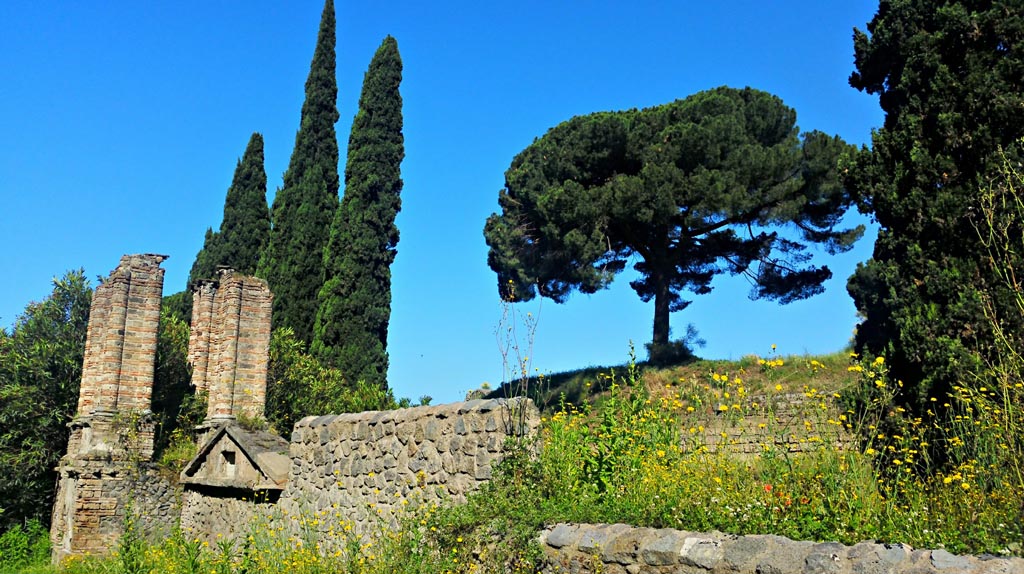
786 422
372 464
209 515
622 549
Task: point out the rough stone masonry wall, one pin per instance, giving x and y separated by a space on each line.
787 422
622 549
229 342
207 515
93 501
374 463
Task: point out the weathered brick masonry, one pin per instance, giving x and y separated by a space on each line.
112 433
229 342
120 349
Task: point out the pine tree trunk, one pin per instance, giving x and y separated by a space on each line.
661 313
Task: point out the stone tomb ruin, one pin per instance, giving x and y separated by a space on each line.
108 466
112 430
355 461
228 344
346 463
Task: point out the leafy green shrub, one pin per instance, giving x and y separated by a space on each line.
24 547
298 385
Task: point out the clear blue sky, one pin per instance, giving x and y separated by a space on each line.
121 124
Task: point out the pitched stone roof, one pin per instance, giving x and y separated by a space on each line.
266 452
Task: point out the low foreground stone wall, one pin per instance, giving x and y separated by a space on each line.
368 466
622 549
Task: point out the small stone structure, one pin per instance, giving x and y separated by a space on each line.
112 434
622 549
228 344
236 472
364 467
787 422
371 464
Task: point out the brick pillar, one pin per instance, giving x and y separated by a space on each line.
199 339
91 369
112 339
120 347
229 344
222 385
112 434
142 319
250 386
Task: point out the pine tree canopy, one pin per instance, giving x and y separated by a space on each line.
304 207
950 78
691 189
355 301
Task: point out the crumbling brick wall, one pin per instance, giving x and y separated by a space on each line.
229 343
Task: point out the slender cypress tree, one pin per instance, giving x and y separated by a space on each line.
204 265
245 228
303 208
355 302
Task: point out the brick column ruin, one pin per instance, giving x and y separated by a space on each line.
200 333
112 432
229 344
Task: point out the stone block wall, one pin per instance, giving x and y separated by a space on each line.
229 343
207 514
793 423
372 464
93 499
622 549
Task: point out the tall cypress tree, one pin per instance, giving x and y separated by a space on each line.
245 228
355 301
949 77
303 208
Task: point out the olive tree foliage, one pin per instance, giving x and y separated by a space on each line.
40 373
298 385
689 190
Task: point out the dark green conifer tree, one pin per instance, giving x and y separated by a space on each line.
303 208
949 77
684 191
355 301
245 228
